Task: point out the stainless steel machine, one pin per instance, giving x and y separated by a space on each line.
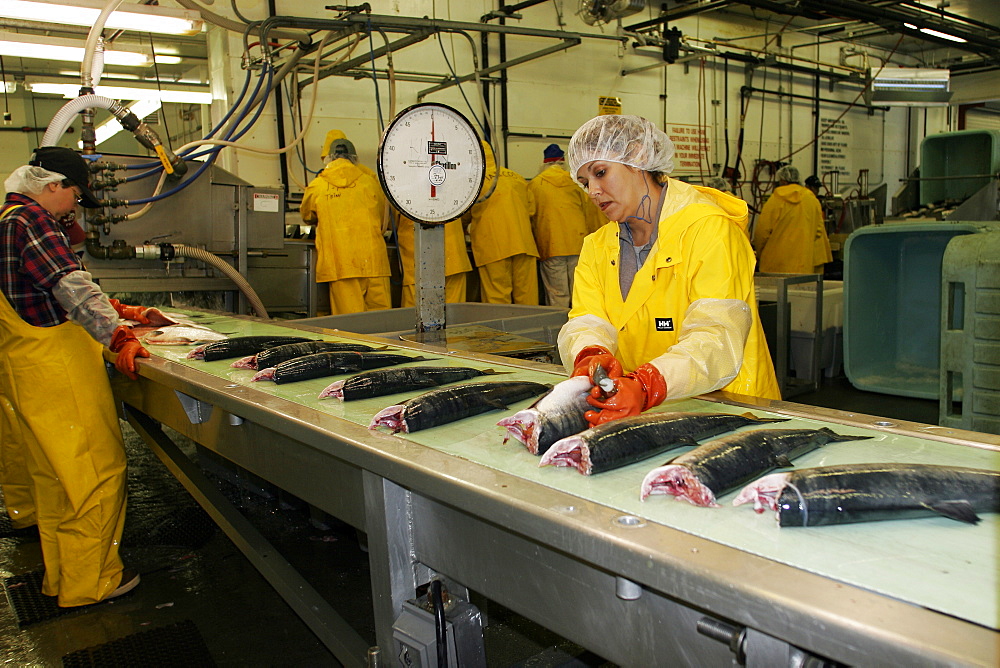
640 583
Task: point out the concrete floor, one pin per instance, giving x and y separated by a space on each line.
191 572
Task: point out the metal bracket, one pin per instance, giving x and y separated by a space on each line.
197 410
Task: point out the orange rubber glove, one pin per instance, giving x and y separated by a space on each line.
124 343
137 313
634 393
591 357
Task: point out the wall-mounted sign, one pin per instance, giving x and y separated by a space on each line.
609 106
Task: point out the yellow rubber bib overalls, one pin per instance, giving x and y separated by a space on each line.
61 450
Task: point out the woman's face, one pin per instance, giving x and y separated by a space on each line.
616 189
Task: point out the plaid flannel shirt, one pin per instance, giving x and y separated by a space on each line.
34 256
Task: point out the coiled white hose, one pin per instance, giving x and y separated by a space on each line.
63 118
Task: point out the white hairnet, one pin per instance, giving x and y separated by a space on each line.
31 180
719 183
788 173
629 140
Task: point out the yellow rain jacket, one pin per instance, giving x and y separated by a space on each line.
500 227
456 258
691 310
62 450
790 235
348 206
564 214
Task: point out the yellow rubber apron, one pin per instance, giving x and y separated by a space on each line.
61 433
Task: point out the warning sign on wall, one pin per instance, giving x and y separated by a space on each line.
609 106
693 150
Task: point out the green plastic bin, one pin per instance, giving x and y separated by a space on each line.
892 306
970 334
956 154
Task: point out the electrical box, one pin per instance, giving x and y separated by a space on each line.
415 639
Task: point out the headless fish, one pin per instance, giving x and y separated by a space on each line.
622 442
555 416
330 364
380 382
869 492
240 346
182 335
716 467
449 404
289 351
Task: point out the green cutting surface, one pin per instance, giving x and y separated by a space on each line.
937 563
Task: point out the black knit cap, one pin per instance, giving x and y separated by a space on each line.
67 162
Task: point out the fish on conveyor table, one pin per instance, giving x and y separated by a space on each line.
181 335
330 364
241 346
869 492
289 351
632 439
380 382
449 404
717 467
555 416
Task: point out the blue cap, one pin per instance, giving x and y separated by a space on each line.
553 152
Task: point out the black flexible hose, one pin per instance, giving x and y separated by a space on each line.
440 624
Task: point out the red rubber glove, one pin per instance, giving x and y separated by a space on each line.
591 357
634 393
124 343
137 313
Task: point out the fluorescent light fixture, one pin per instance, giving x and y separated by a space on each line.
71 91
909 86
167 60
142 18
111 127
56 48
942 35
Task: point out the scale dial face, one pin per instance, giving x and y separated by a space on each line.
430 163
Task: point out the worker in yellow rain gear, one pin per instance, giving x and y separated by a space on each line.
790 233
456 260
502 244
663 300
348 207
564 215
62 458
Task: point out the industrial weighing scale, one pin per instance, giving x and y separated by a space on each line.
431 165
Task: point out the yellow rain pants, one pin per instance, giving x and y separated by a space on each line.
66 434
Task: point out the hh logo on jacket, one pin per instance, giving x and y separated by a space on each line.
664 324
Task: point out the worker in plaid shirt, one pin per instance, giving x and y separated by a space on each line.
62 459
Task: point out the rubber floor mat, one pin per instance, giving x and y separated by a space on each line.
30 605
179 644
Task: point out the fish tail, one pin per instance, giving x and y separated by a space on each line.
335 390
679 481
840 438
494 372
572 451
760 420
391 417
264 374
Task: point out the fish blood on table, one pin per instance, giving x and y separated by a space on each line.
289 351
449 404
717 467
319 365
621 442
240 346
869 492
555 416
381 382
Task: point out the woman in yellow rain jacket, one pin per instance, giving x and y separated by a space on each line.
667 294
456 260
790 233
348 207
564 215
502 244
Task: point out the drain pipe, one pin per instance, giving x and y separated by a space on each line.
119 250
